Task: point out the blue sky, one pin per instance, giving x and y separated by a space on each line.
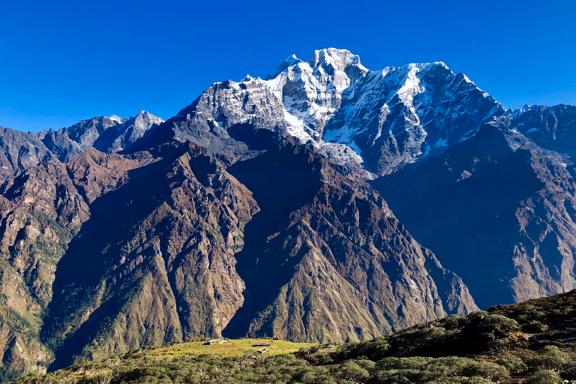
61 61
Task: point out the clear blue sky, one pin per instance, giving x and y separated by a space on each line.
61 61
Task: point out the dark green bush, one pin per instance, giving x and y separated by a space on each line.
544 377
551 357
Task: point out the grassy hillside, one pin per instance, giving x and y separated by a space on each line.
533 342
228 348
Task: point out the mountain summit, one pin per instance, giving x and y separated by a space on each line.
382 119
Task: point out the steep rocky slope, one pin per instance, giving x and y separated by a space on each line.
396 116
122 136
310 267
325 259
498 210
163 270
105 133
67 142
41 211
549 127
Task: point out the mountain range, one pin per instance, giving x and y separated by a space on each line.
326 202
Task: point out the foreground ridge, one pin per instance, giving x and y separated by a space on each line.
531 342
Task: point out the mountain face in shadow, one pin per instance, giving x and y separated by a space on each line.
499 212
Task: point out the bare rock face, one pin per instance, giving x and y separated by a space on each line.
162 271
549 127
121 136
40 212
497 210
222 117
105 133
325 259
19 151
68 142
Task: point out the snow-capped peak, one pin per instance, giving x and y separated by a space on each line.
144 119
289 61
311 91
411 85
333 98
117 119
408 111
388 118
338 59
292 59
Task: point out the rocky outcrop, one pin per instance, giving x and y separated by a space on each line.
122 136
549 127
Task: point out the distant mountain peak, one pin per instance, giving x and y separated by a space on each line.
128 132
292 59
116 118
339 59
142 114
388 118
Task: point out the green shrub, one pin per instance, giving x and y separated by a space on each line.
484 369
353 372
544 377
513 363
551 357
374 350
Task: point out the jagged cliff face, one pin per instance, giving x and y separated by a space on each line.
399 115
123 135
106 133
67 142
326 202
549 127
